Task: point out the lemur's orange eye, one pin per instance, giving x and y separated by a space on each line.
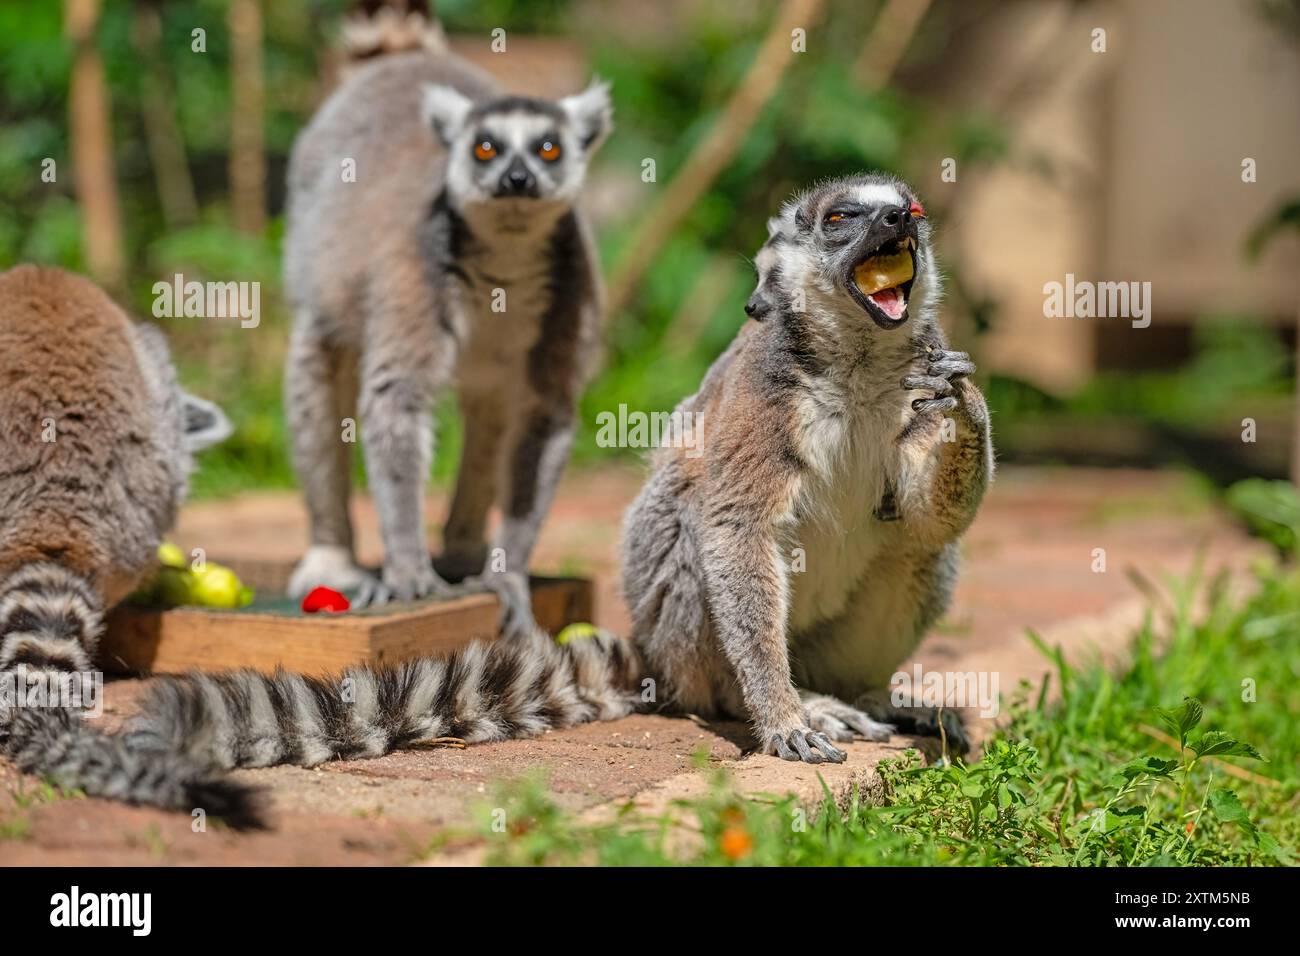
835 217
484 151
549 150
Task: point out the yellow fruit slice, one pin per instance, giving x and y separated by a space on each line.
883 272
576 632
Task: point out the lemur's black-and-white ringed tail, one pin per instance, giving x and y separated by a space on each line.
191 727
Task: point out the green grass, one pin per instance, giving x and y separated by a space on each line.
1186 755
17 824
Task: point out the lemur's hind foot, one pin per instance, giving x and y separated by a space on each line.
803 743
838 721
920 721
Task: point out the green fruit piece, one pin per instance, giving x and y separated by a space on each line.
171 556
174 587
577 632
218 587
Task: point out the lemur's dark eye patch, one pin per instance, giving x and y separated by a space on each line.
841 213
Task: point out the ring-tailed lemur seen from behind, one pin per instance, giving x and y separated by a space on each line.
96 440
434 244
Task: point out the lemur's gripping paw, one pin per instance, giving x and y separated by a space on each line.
944 367
402 581
511 589
371 593
806 744
839 721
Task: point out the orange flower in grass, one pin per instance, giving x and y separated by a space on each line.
736 843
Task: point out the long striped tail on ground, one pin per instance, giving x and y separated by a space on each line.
58 744
483 692
49 624
193 727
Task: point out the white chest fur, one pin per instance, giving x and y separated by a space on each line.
848 439
500 303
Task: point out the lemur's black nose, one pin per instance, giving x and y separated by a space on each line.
518 181
892 215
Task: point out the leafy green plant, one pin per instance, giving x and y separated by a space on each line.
1271 508
1105 772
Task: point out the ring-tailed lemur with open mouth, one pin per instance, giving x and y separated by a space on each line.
96 445
454 256
760 575
808 417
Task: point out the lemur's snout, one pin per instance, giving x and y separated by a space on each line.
518 181
892 222
892 215
880 279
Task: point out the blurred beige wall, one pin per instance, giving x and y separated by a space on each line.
1143 145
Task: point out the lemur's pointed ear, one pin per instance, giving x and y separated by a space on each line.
205 423
591 113
445 108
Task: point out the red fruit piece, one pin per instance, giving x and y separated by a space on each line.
324 599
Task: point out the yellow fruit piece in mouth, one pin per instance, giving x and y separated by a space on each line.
883 272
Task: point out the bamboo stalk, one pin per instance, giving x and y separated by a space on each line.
91 134
162 133
247 158
888 41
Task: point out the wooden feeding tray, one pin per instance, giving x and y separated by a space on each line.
272 632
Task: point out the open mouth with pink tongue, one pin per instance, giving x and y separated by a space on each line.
882 282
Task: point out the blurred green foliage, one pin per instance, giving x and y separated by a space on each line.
667 96
669 88
1234 365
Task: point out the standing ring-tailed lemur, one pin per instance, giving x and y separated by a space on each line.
434 242
759 578
759 574
96 440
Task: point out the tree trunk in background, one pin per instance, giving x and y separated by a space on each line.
888 41
247 158
1295 424
162 133
91 135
